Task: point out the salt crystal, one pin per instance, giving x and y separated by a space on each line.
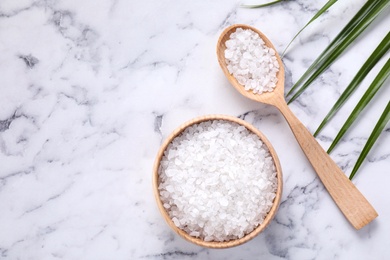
229 54
194 233
178 162
176 221
224 202
208 238
169 188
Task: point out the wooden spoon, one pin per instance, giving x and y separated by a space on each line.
350 201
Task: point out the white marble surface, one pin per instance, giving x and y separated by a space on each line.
89 89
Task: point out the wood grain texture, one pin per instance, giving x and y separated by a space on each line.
348 198
198 241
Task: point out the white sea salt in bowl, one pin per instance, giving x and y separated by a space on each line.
217 181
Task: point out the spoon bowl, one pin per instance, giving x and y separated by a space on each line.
266 97
348 198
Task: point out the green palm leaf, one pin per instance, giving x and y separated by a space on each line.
382 122
366 9
368 95
382 48
263 5
321 11
351 31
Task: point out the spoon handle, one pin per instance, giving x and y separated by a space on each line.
348 198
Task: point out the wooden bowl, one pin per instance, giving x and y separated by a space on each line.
199 241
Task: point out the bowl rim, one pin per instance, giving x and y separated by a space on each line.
214 244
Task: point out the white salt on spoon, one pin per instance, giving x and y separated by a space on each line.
251 62
348 198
